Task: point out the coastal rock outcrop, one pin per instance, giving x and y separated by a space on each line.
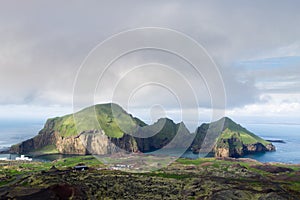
225 138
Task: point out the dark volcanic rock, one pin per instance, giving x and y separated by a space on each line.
57 191
272 168
276 141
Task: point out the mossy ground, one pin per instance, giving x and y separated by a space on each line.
204 178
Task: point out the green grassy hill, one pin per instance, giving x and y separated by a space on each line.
231 129
111 118
228 139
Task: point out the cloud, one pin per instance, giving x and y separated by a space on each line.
275 74
44 43
277 109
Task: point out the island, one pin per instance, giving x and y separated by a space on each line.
225 175
115 130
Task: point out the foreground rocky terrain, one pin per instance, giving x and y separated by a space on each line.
205 178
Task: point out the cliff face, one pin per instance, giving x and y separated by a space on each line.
89 142
235 148
258 147
231 147
95 142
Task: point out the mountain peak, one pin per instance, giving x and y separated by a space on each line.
228 123
225 120
165 119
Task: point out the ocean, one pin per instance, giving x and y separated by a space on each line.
288 152
13 132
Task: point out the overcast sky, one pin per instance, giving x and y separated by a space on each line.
255 44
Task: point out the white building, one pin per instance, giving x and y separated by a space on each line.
22 157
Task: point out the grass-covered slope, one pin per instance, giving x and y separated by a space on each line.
231 129
228 139
111 118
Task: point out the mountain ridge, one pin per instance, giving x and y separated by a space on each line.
108 128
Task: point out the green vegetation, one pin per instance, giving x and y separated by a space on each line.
64 125
232 140
89 161
232 129
21 167
49 149
167 175
204 178
162 132
110 118
195 161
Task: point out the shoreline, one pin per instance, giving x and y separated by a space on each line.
64 156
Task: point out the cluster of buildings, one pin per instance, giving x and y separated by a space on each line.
21 158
